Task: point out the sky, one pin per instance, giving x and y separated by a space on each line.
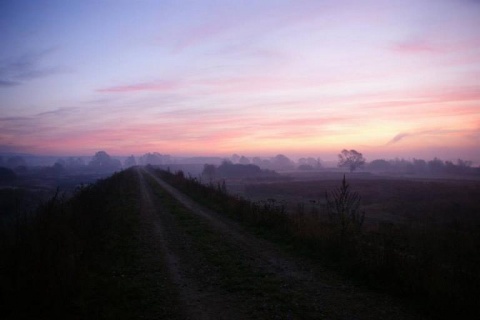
300 77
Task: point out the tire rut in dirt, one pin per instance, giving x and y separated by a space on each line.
161 297
188 270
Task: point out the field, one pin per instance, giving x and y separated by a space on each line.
384 198
36 186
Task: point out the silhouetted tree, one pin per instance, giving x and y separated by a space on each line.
309 163
235 170
257 161
16 161
436 165
379 164
351 159
235 158
462 167
463 163
281 162
101 160
155 158
21 169
129 162
262 163
244 160
209 171
7 175
230 170
57 169
305 167
402 165
61 162
74 163
419 165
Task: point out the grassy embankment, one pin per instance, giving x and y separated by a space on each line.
433 266
79 258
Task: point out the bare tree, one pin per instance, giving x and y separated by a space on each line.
351 159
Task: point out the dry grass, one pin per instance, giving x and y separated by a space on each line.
65 259
429 254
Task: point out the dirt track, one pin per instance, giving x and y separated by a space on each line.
222 272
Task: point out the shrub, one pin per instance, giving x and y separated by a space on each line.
344 211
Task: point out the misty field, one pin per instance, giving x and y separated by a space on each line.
384 199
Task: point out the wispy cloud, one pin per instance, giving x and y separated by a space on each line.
152 86
415 46
5 148
398 138
432 132
26 67
200 34
425 103
8 83
41 73
233 22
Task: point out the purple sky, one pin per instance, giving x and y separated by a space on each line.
304 78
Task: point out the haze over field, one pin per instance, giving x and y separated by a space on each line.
389 78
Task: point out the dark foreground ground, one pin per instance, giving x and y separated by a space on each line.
132 246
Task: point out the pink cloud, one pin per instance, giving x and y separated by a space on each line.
199 35
460 51
415 46
254 84
154 86
425 96
309 122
